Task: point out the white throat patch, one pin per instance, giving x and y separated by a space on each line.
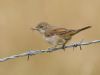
41 31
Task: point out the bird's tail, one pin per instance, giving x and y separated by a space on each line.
81 29
87 27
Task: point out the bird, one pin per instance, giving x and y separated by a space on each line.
57 35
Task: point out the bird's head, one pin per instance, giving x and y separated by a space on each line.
41 27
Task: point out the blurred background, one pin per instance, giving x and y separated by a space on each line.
18 16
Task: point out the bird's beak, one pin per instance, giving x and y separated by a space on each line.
34 29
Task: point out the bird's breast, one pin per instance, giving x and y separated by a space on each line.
54 40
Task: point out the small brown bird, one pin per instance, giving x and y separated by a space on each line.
57 35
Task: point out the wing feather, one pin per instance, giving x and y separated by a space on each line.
59 32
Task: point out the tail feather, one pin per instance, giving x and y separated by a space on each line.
81 29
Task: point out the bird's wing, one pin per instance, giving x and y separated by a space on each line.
59 31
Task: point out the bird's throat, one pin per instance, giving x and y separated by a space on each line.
42 31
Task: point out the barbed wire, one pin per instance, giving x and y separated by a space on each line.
35 52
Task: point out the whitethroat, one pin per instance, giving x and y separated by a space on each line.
57 35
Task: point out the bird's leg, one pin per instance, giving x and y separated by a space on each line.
63 46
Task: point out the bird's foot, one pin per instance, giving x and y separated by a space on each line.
63 47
